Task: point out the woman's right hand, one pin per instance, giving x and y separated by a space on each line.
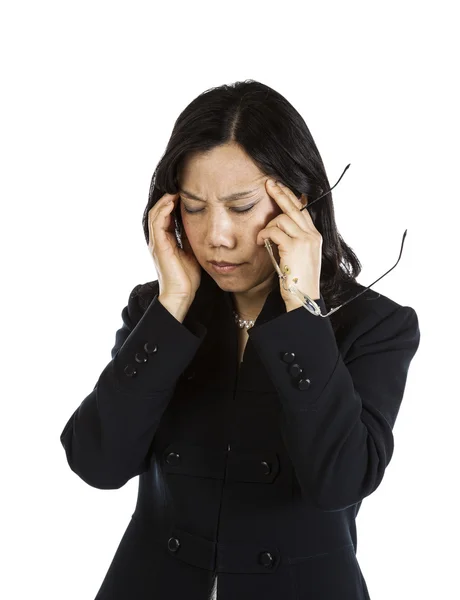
179 272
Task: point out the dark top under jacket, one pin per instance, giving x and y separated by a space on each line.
254 474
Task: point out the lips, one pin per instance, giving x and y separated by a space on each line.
223 264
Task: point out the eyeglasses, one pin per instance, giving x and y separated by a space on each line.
307 302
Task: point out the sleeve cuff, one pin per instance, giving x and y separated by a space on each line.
300 353
148 361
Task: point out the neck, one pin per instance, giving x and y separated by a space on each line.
248 304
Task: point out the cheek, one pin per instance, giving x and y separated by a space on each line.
269 215
259 223
187 227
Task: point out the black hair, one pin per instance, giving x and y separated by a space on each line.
272 132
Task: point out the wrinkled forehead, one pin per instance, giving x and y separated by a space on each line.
220 174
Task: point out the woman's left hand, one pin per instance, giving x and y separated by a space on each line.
299 245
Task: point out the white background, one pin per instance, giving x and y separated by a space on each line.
90 93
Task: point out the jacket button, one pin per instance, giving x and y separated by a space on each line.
150 348
266 559
190 375
288 357
303 384
266 468
295 370
173 459
130 371
173 544
140 357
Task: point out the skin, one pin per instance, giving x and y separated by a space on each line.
218 232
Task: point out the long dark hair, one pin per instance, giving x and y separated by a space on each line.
276 137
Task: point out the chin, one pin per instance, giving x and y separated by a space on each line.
237 287
227 286
227 283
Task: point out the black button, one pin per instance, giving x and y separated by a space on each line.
303 384
150 348
140 357
173 459
190 374
130 371
288 357
173 544
266 468
295 370
266 559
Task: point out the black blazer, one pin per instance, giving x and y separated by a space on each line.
257 473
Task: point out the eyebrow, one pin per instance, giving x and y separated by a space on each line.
230 198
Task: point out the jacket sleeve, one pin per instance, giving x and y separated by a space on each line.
108 437
338 413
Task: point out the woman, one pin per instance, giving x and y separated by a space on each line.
256 425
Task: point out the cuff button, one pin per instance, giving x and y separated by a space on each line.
173 544
150 348
130 371
303 384
266 467
140 357
288 357
173 459
295 370
266 559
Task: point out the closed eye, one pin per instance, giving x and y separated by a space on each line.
237 210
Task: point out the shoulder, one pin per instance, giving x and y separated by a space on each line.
372 301
367 310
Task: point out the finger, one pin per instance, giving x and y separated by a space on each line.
291 205
158 217
290 194
286 224
281 239
298 202
163 201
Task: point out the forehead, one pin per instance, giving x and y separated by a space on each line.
223 173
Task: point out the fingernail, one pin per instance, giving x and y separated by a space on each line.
270 182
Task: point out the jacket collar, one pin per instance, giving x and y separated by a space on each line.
216 361
210 300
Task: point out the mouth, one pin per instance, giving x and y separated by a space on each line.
224 264
224 267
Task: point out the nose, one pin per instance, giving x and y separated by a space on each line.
219 229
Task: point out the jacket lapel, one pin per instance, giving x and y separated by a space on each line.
216 361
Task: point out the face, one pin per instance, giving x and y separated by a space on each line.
227 230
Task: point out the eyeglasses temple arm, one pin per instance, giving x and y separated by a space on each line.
369 286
